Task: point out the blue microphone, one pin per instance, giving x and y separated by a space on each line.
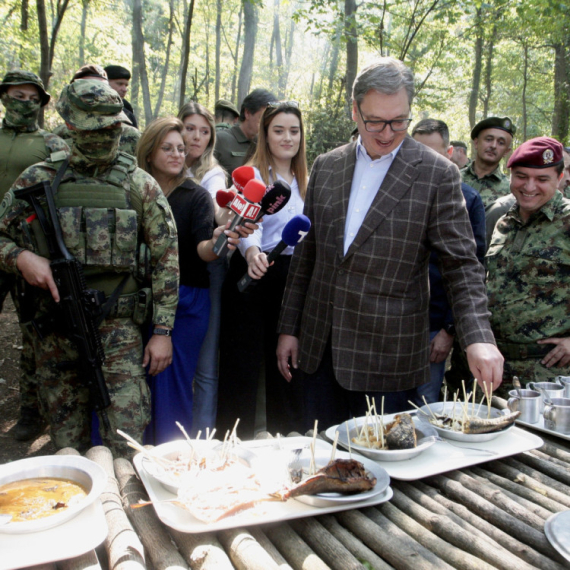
293 233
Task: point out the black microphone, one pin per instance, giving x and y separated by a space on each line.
276 196
293 233
246 207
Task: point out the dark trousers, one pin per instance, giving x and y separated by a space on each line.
328 402
248 340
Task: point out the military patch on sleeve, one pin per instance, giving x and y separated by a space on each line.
6 203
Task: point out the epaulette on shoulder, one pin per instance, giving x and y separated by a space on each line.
126 160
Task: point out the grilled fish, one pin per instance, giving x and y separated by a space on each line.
401 433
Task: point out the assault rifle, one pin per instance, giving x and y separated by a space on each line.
79 306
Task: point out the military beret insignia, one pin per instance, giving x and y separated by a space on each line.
540 152
548 156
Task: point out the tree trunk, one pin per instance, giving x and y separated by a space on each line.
139 58
351 34
334 57
489 71
561 114
477 64
249 36
24 10
278 52
218 47
84 12
236 54
166 61
185 54
525 83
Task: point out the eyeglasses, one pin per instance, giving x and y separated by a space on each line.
275 104
397 125
172 150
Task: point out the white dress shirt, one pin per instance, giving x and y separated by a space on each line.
269 233
366 181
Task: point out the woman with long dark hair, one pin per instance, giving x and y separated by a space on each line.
249 319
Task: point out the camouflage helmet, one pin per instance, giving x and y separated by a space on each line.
21 77
90 105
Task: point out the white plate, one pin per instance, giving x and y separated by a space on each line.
422 430
480 411
68 540
75 468
539 425
332 499
557 530
271 456
443 457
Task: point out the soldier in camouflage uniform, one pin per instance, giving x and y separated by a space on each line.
129 136
528 264
226 115
492 138
113 215
23 143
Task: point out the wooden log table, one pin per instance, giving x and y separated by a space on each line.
483 517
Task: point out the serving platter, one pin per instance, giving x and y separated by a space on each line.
444 456
73 538
422 431
271 456
557 531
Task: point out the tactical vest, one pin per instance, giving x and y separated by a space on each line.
100 219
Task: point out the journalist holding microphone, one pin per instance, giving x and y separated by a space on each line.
249 319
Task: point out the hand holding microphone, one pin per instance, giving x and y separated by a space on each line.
246 209
293 233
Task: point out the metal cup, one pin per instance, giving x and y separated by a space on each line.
557 415
547 390
528 405
564 381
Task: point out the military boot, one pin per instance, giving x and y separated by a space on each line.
29 426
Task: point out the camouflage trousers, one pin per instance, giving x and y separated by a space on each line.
65 399
527 370
28 380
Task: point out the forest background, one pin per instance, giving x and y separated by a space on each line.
471 59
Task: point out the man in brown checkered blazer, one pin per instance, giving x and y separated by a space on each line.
355 310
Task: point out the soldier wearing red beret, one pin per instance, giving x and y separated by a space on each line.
528 264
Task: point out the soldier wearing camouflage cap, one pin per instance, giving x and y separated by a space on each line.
118 224
23 143
129 135
528 268
226 114
492 139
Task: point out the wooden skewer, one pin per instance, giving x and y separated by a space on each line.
333 453
430 410
160 461
181 428
419 409
348 437
211 436
382 423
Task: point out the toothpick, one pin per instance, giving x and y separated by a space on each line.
430 410
181 428
314 443
334 446
444 396
382 423
473 402
419 409
211 436
348 437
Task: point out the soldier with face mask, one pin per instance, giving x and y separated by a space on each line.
23 143
113 217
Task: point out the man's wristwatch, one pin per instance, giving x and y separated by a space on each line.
163 332
449 329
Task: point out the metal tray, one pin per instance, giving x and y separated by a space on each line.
422 430
557 530
480 411
539 426
270 453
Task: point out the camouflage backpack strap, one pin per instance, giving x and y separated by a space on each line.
121 174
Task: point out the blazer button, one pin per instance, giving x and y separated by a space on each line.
341 271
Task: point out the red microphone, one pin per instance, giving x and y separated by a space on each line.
241 176
246 208
225 197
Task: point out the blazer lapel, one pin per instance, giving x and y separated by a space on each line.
343 171
396 184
